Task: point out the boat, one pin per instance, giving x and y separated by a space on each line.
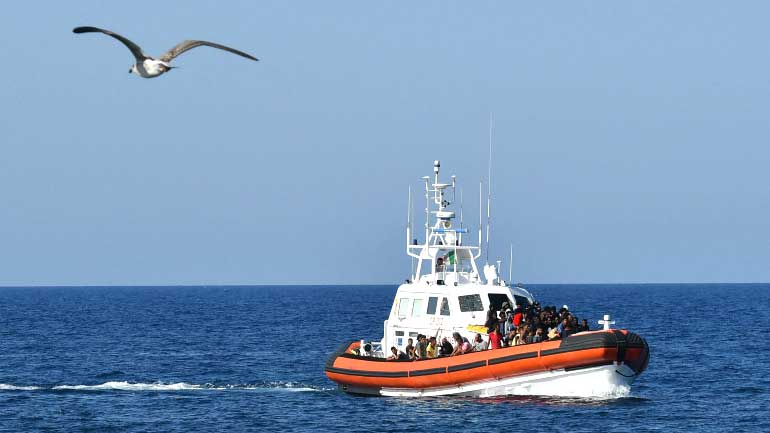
447 295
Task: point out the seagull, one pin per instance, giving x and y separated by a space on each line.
150 67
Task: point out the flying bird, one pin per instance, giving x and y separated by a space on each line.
150 67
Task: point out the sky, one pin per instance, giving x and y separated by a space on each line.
629 139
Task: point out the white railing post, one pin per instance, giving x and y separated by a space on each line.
606 322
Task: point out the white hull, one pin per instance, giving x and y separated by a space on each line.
607 381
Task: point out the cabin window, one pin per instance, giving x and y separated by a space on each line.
432 303
444 307
399 333
417 308
403 307
496 300
521 301
470 303
412 334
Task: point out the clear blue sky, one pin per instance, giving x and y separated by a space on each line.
631 140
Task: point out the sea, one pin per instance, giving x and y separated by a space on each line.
251 358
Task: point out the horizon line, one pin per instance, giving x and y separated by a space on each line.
352 285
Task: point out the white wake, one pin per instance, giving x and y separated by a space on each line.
168 387
6 387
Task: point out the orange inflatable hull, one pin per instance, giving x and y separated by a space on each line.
361 374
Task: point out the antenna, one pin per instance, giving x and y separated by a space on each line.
510 267
461 208
409 213
427 208
454 189
489 186
409 219
481 210
409 227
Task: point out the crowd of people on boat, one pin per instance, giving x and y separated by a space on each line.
505 327
532 324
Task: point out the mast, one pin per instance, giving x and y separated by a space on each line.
442 240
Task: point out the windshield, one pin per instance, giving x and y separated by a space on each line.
521 301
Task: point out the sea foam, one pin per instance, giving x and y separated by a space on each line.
275 386
127 386
6 387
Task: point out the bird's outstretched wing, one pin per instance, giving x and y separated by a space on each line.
188 45
135 50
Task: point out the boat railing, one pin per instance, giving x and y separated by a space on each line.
449 277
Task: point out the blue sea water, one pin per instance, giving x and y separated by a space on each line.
107 359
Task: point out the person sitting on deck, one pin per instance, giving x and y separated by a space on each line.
584 326
397 355
432 349
567 331
446 347
518 337
461 346
409 349
421 348
531 336
560 327
479 344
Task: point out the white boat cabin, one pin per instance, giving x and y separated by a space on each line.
446 292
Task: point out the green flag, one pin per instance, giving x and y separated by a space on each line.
451 258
